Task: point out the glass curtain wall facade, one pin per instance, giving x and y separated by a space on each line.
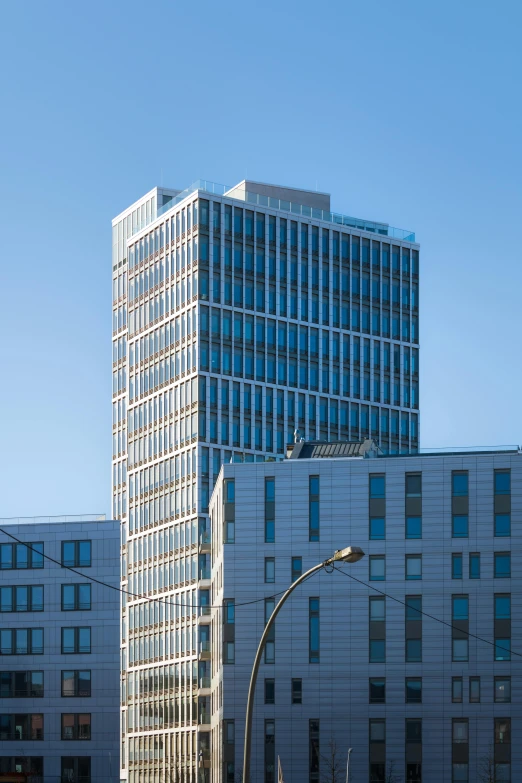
234 325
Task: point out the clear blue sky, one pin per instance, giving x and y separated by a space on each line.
406 112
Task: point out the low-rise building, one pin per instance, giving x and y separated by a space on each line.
412 657
59 649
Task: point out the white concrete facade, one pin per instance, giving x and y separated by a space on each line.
238 317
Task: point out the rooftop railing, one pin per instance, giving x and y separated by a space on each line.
53 520
294 208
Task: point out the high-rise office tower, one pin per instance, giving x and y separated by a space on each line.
240 316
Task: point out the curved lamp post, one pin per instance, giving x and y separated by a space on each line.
350 554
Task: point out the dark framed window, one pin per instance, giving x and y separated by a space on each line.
76 726
76 554
22 556
413 527
314 637
297 690
313 505
502 482
456 690
76 640
502 525
269 570
413 566
21 684
474 690
413 485
502 562
377 690
377 528
413 690
456 565
459 484
76 682
297 568
22 598
459 526
474 565
377 486
377 565
269 510
21 641
76 597
503 690
76 768
21 726
269 690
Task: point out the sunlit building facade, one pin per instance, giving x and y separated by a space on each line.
240 316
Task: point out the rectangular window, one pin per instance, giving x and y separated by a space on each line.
502 525
76 683
269 570
502 565
502 482
377 630
413 566
21 556
313 751
377 690
297 568
502 649
456 690
377 529
413 485
460 604
459 484
76 726
313 621
25 726
269 691
456 566
459 526
413 690
474 690
297 691
21 684
76 640
270 642
474 565
377 486
76 768
21 641
22 598
413 619
377 568
503 690
76 597
313 507
270 510
413 527
76 554
460 731
459 650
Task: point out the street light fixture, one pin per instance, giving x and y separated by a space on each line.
350 554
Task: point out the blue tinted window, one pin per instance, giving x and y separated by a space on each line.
460 607
413 650
502 525
474 566
413 527
460 526
377 651
502 564
502 607
377 568
456 566
377 529
460 484
502 649
502 482
377 487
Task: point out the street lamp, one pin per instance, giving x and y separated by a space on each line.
348 765
350 554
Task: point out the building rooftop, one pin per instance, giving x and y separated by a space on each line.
304 203
53 520
369 448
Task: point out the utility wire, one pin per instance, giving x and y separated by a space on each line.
136 595
419 611
254 601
